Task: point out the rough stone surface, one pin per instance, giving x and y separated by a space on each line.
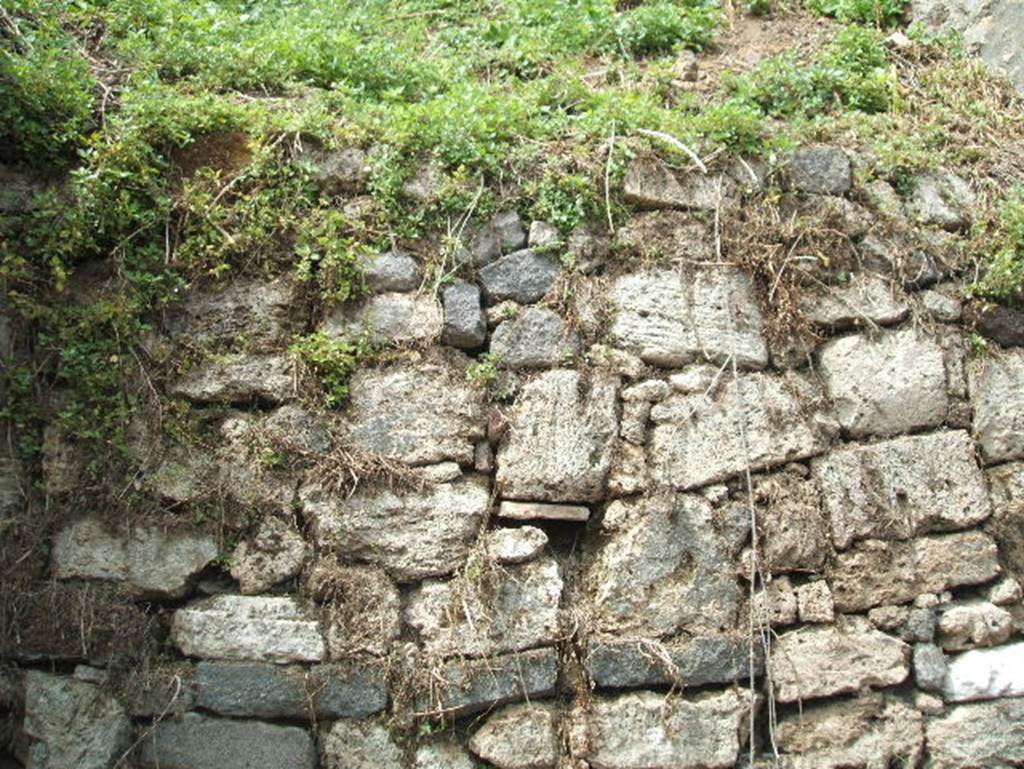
996 385
887 385
411 534
231 627
541 511
390 271
562 433
697 440
202 742
465 325
814 602
398 317
942 306
238 379
670 318
77 725
645 729
263 313
339 172
1006 484
929 667
523 736
698 661
658 569
543 234
263 690
986 735
536 338
650 184
463 687
360 744
973 623
942 199
523 276
877 572
153 562
794 533
870 731
442 754
276 553
821 661
504 610
516 545
417 413
902 487
985 674
820 170
865 300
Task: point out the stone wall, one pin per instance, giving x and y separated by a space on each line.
660 535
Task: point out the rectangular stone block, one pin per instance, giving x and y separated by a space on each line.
530 511
988 735
712 659
985 674
996 384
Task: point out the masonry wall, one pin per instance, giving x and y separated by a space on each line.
647 530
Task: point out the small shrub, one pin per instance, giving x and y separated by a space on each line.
1004 274
881 13
662 26
333 361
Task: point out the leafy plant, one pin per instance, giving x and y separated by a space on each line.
882 13
1004 271
333 361
484 370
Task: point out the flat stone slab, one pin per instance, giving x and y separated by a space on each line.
509 609
996 384
521 736
882 573
886 385
670 317
239 378
416 413
982 734
463 687
865 300
394 317
262 690
707 659
233 627
561 436
410 533
516 545
536 338
825 660
985 674
697 439
648 729
532 511
202 742
901 488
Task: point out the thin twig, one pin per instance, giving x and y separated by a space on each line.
607 181
674 142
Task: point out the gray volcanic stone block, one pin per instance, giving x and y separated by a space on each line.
892 384
672 317
821 170
929 667
201 742
536 338
650 184
696 439
505 610
825 660
442 753
646 729
390 271
663 566
708 659
522 736
410 533
233 627
275 553
398 317
360 744
881 573
996 384
77 724
942 199
903 487
867 299
260 690
523 276
561 437
463 687
238 379
988 735
465 324
417 413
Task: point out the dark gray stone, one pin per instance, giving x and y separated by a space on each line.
390 271
713 659
202 742
820 170
470 686
523 276
259 690
537 338
1001 324
465 325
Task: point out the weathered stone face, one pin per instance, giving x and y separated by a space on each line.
997 394
465 325
988 734
867 299
239 378
650 184
820 170
794 533
275 553
892 384
902 488
536 338
521 736
1006 483
822 661
418 413
661 568
697 440
442 753
363 608
523 276
986 674
562 430
411 533
645 729
397 317
390 271
670 318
